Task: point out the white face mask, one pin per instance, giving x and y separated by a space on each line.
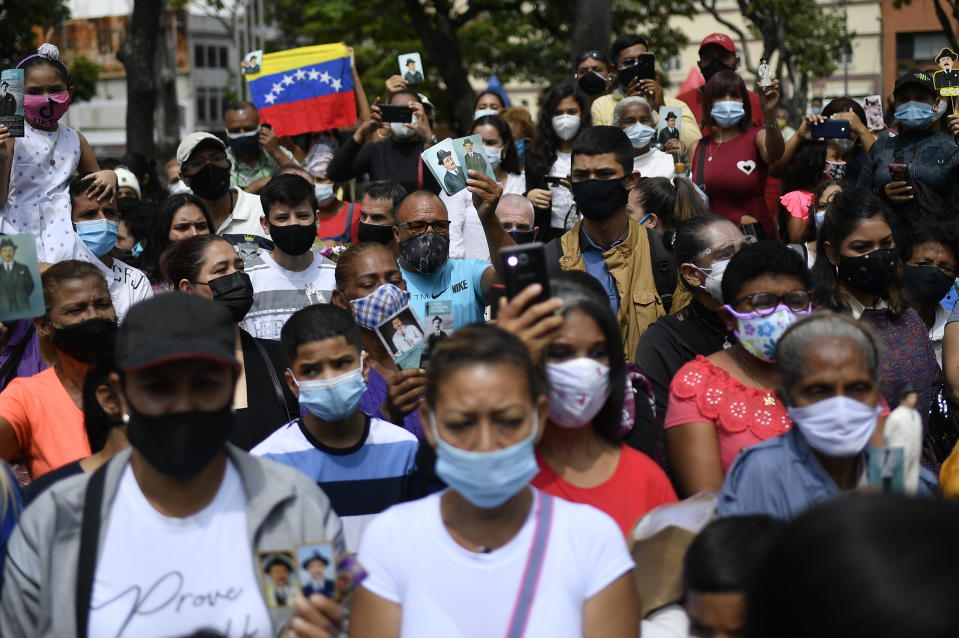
819 216
179 187
484 112
323 192
566 126
401 131
494 155
714 279
839 426
578 389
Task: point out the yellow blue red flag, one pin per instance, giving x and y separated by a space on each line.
305 89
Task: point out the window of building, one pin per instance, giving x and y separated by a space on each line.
224 58
674 64
211 59
201 106
199 59
916 50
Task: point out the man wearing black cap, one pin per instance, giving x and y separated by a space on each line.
931 156
182 511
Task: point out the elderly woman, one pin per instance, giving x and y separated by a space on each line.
541 566
635 116
829 366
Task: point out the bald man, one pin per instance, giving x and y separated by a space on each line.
438 285
515 213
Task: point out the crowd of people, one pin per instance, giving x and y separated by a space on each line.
726 408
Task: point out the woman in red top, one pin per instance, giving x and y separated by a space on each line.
732 163
581 456
727 401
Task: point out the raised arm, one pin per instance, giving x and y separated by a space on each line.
486 194
770 142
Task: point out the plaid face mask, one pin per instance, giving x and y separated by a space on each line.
378 306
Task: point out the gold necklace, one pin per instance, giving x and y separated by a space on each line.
769 399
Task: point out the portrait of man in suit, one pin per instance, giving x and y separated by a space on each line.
316 565
412 75
281 580
16 283
946 75
669 132
474 161
454 181
8 101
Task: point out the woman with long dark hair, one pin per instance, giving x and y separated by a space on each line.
564 115
182 215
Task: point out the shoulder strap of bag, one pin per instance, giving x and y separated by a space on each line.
13 361
701 163
89 541
534 567
277 388
664 273
898 153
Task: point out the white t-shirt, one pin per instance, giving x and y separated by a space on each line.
245 217
562 196
164 576
654 163
447 591
129 286
467 237
278 292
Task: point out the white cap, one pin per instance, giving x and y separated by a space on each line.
190 142
125 177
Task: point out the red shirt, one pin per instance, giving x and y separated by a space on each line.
694 100
637 486
343 226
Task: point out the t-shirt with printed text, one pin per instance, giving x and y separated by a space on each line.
458 281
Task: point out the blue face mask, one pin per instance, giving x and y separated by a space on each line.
728 113
640 135
137 249
333 399
819 216
915 115
323 192
100 235
521 149
487 479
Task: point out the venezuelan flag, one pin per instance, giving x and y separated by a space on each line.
305 89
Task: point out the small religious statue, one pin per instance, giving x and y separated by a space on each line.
765 73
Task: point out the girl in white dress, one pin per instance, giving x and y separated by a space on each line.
35 169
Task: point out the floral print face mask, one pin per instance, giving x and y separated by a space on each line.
759 334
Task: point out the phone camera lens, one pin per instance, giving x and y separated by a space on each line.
523 259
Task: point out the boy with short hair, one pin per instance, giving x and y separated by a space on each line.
292 275
363 464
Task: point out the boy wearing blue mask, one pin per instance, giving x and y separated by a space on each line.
96 223
928 152
363 464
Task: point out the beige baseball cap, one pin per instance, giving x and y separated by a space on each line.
191 141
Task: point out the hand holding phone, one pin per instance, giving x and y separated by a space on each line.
395 113
522 266
643 69
831 129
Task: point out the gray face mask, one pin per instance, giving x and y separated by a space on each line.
845 144
714 279
401 131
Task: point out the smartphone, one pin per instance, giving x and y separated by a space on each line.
396 113
900 173
644 69
831 129
553 180
522 266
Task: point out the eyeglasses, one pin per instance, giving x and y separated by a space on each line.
197 163
727 250
628 62
441 226
594 54
765 303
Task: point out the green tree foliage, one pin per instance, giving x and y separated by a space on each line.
516 40
802 40
18 18
84 73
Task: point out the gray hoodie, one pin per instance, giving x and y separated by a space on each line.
284 508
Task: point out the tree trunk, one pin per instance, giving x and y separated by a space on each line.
137 53
591 26
168 111
439 39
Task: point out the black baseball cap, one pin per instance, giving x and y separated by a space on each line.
915 76
175 326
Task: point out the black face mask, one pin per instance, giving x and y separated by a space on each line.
425 253
871 273
180 445
592 83
597 199
295 239
715 66
523 236
926 284
211 183
235 291
375 232
85 340
246 146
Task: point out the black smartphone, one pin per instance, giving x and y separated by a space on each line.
644 69
553 180
396 113
522 266
831 129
